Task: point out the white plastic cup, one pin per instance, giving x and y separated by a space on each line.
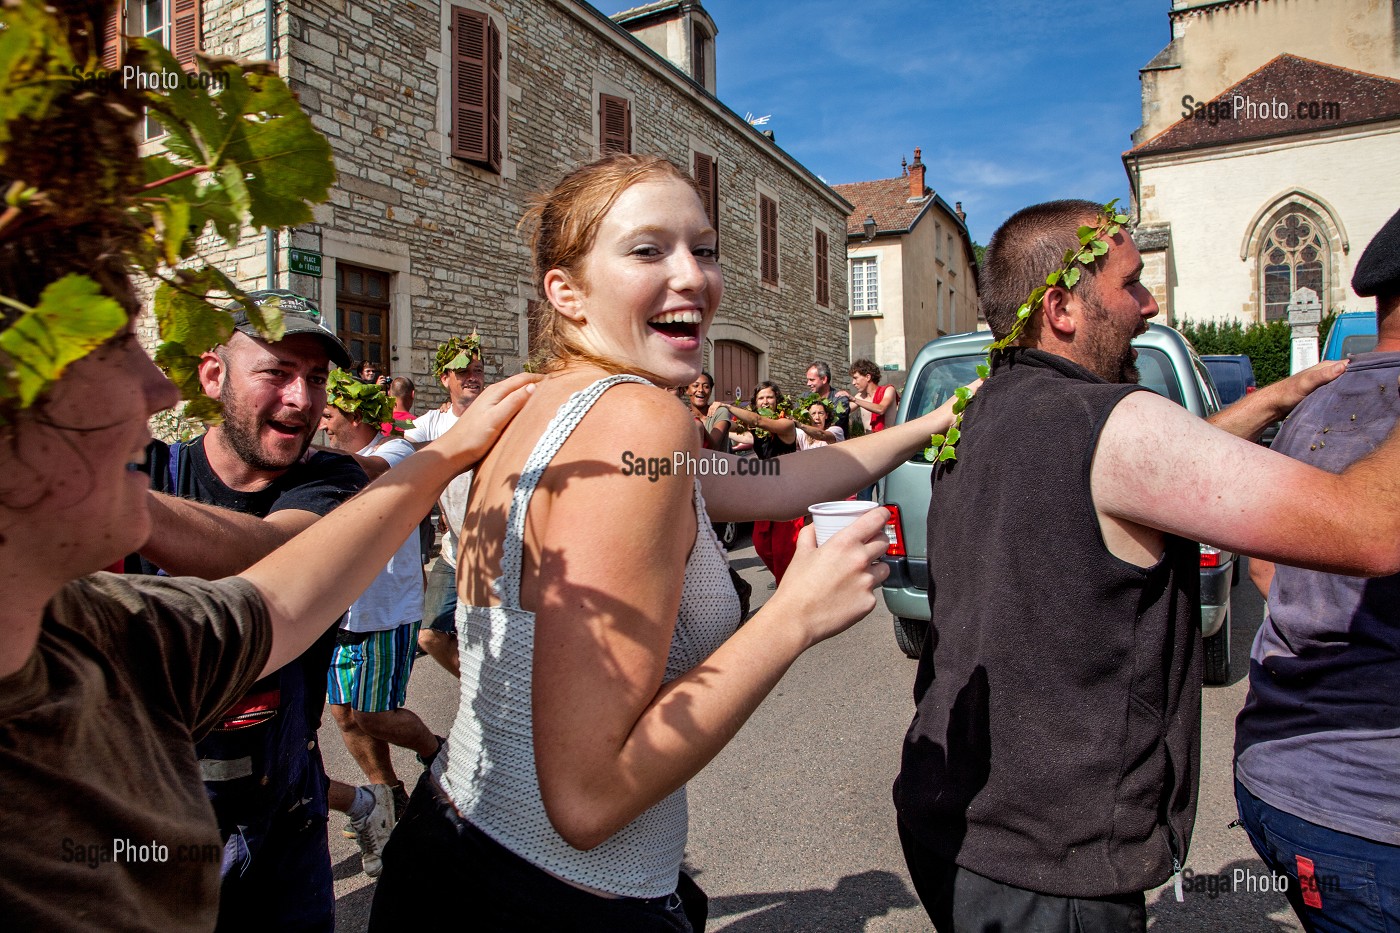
831 517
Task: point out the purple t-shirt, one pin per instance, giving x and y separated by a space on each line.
1319 735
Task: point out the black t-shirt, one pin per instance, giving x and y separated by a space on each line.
318 484
281 762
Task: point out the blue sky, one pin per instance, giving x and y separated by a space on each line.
1012 101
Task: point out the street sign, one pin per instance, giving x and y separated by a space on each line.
304 261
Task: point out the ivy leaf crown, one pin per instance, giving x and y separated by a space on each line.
449 351
1092 244
361 400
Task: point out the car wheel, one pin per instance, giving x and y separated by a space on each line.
1235 573
909 634
1217 659
729 533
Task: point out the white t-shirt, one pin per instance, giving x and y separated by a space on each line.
396 595
453 502
430 427
806 441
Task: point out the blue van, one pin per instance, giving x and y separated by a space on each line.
1352 332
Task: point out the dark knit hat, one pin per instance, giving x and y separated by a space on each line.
1378 271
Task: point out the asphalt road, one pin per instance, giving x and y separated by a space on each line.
792 828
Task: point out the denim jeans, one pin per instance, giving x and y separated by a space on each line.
441 872
1356 881
440 598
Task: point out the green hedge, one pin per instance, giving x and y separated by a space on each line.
1268 345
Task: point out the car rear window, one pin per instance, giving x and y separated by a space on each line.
1229 379
937 381
1358 343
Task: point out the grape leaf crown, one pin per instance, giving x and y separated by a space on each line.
238 152
454 347
1092 244
362 400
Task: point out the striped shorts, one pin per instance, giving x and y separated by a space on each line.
372 676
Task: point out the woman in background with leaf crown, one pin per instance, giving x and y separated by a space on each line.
774 434
597 664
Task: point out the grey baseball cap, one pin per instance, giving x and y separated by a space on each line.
299 316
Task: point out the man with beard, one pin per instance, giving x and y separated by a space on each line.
220 503
462 374
1049 776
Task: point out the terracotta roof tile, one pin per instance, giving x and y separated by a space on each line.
887 200
1286 80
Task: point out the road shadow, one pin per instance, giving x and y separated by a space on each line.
1241 903
745 563
843 909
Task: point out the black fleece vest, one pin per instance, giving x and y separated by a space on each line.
1056 740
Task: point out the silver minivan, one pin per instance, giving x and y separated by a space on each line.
1169 366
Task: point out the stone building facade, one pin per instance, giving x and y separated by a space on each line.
913 275
1269 154
419 241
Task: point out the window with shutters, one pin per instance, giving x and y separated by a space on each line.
707 178
768 239
476 88
175 24
614 124
822 269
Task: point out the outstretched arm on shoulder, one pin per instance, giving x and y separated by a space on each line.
1161 467
1248 417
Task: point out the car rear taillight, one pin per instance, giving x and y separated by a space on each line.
1249 389
894 533
1210 556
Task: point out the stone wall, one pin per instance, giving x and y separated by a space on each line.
374 76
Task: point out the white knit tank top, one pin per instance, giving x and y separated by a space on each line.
490 757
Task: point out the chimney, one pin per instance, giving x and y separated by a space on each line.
957 209
916 176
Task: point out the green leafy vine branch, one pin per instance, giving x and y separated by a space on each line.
1092 244
238 153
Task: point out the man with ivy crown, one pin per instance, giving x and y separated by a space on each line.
459 368
375 646
220 503
1049 776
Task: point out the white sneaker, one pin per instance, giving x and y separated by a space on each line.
372 832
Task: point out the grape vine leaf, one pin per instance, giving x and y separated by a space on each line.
72 319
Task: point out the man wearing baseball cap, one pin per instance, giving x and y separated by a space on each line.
220 503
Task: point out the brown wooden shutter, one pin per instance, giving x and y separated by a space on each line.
113 36
184 40
493 95
823 275
707 178
768 239
476 84
614 124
